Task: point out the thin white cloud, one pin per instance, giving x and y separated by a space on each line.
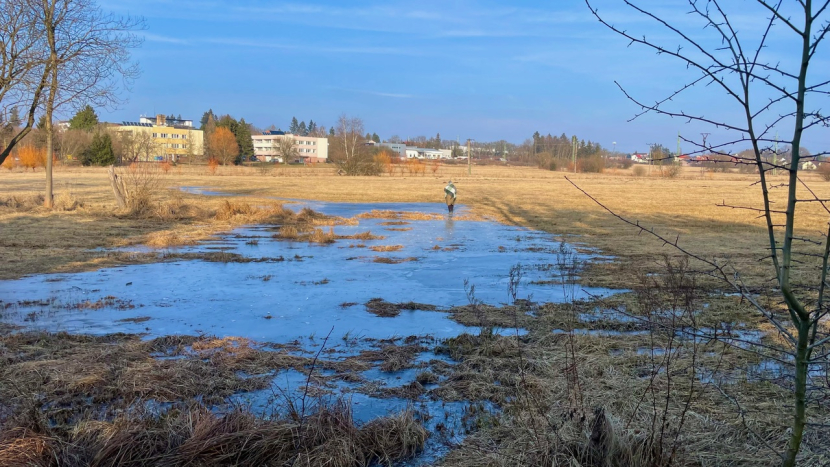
150 37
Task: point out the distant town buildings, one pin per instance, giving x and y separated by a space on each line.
412 152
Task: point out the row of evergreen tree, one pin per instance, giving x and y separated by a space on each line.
300 128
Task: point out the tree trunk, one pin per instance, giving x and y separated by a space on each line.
799 393
50 102
117 188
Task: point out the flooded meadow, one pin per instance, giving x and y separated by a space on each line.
363 317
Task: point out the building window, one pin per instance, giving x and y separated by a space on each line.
184 136
155 135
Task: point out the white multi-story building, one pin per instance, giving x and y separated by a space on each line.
308 148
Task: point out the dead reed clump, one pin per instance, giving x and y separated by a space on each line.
389 260
392 357
288 232
427 377
361 236
394 438
21 446
384 309
381 248
228 210
320 236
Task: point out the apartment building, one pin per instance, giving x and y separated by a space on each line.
162 139
308 148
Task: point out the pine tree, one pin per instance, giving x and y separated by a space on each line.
302 130
100 151
244 140
311 126
295 125
205 117
85 119
208 127
331 131
375 138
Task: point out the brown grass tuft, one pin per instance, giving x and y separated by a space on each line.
381 248
320 236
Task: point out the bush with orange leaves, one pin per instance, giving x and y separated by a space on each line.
383 160
213 163
416 166
32 157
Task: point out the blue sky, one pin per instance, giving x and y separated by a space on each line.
478 69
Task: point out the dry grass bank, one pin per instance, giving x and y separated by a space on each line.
78 401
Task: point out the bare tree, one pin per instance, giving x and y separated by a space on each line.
349 133
285 146
89 59
72 143
772 95
23 71
136 146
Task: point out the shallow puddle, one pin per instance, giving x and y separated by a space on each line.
277 301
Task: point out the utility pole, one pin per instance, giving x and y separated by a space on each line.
573 151
469 158
704 135
677 154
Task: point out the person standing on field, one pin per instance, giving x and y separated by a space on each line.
450 193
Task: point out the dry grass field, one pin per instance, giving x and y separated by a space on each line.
601 391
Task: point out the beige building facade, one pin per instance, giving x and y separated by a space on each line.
161 139
307 148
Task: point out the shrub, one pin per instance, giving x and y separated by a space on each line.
593 164
638 171
213 163
670 171
32 157
824 171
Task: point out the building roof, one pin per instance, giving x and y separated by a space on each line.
136 124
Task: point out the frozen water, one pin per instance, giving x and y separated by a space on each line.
303 294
